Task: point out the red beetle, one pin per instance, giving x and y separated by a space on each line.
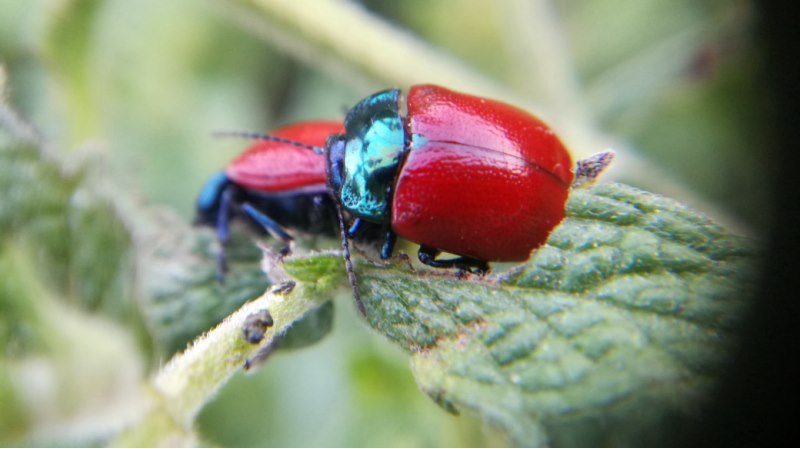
463 174
273 184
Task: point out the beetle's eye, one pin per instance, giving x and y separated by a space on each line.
336 147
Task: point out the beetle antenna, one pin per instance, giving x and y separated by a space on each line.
267 137
351 275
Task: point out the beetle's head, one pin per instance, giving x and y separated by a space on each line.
363 162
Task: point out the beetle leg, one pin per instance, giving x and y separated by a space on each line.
320 216
269 225
388 243
355 228
223 234
427 255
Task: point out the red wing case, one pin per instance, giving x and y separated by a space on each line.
482 179
269 166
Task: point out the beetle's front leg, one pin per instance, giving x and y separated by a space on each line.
270 226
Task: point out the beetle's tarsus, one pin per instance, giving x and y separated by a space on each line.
427 255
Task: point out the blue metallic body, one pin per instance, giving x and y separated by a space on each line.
221 200
210 194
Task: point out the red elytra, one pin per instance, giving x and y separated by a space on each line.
482 178
276 183
271 166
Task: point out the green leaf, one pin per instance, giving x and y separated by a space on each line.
82 369
620 322
81 244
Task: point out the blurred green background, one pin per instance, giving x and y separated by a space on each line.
137 87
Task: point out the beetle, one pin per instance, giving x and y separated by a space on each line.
273 184
462 174
458 173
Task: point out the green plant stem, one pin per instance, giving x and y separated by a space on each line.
536 34
191 378
376 46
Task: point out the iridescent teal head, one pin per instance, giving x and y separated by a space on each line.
363 162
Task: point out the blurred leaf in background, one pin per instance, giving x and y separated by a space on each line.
126 94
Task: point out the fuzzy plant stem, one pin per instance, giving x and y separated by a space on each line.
191 378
